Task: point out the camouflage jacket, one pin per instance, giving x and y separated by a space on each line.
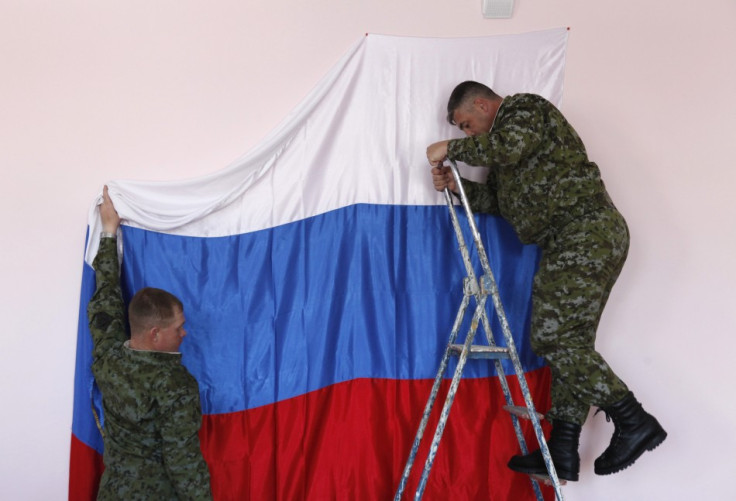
151 405
540 176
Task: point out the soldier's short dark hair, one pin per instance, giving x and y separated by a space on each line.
464 92
151 307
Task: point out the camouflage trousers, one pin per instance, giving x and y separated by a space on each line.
578 268
135 480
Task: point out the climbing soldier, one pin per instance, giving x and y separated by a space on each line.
541 181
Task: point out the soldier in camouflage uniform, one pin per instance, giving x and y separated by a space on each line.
150 401
541 181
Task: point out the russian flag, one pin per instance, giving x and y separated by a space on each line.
320 278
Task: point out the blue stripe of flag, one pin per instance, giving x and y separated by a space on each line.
365 291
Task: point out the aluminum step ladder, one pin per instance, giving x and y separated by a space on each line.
479 291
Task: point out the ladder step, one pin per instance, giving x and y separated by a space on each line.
546 480
481 351
521 411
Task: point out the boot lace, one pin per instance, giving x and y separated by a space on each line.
616 431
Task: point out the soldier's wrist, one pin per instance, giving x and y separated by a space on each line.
107 234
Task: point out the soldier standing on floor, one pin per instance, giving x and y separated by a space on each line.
150 401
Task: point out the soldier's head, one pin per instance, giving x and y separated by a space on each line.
156 320
472 107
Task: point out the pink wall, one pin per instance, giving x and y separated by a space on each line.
92 91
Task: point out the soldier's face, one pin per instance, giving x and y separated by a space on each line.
170 337
473 118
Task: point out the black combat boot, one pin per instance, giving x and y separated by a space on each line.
563 447
636 431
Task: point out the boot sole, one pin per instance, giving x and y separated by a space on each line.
652 444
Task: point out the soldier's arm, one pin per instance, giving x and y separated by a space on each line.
106 310
518 131
482 196
182 453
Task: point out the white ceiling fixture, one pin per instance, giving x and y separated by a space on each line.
498 9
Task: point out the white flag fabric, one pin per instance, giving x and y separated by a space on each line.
358 137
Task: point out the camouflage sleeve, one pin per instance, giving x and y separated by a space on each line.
183 460
482 196
517 132
106 310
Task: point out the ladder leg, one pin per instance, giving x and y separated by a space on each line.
504 383
449 401
489 284
509 401
432 397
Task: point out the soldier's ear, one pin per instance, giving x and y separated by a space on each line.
481 104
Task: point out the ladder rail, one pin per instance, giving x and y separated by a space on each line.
489 284
506 390
471 288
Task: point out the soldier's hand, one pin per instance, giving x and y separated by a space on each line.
108 214
437 153
442 178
